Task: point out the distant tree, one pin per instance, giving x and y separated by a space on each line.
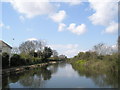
103 49
16 60
98 48
87 55
28 46
40 54
15 50
62 57
47 52
93 55
33 54
80 55
55 55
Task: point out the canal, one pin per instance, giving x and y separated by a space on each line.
61 75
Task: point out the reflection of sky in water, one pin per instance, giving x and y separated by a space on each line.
67 77
62 76
66 72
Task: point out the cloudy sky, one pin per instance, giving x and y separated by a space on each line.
68 27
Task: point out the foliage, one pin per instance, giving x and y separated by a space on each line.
28 46
97 60
5 60
15 60
55 53
47 53
101 62
62 57
98 70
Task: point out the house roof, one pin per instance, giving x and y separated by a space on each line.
1 42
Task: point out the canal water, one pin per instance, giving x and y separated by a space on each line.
61 75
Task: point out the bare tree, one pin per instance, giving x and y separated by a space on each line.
55 53
62 57
103 49
15 50
28 46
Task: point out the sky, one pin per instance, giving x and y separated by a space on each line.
68 27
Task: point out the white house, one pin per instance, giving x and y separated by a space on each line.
4 47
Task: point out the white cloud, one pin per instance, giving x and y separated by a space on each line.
72 52
32 9
74 2
80 29
58 17
112 28
61 27
31 39
66 46
69 50
105 11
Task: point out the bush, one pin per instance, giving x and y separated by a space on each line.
16 60
5 60
37 60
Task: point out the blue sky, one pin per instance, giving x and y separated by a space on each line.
83 25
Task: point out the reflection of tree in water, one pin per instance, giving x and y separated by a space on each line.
53 68
101 79
33 79
15 77
62 65
46 74
36 78
5 82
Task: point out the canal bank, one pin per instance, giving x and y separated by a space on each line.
24 68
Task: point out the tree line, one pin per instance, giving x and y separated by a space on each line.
101 57
30 52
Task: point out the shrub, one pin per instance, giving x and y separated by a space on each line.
16 60
5 60
37 60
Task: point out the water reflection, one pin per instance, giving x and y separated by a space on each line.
102 79
60 75
33 79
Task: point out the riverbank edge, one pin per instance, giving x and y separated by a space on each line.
24 68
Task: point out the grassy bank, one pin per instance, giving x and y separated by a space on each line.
95 62
97 65
101 68
102 72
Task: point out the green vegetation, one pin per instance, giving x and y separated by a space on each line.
97 60
97 63
5 60
26 78
29 53
101 63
